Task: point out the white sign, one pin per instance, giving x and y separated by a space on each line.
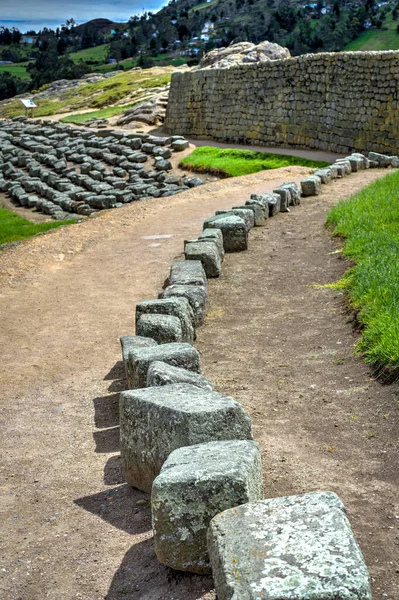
28 103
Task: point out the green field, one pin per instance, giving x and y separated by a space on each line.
386 38
233 163
369 222
97 53
16 70
14 228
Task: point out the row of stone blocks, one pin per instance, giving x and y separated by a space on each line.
310 186
192 448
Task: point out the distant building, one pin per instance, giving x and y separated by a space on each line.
112 61
27 39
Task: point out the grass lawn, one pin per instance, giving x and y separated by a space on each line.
369 222
377 39
233 163
104 113
97 53
17 70
14 228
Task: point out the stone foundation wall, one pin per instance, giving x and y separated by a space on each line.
339 102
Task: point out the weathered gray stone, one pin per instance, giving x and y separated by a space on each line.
207 252
180 145
297 547
270 200
285 198
160 373
245 213
324 174
176 307
345 163
364 160
382 159
177 355
187 272
197 295
216 236
157 420
234 231
310 186
164 329
195 484
294 191
128 343
395 162
259 212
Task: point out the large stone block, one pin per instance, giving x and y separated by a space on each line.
234 231
259 211
197 295
296 547
382 159
195 484
245 213
176 307
207 252
160 373
130 342
270 200
310 186
164 329
285 198
187 272
178 355
157 420
294 191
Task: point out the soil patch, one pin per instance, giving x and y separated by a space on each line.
72 529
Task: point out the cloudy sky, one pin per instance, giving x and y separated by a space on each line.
35 14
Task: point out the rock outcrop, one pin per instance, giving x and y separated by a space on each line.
243 52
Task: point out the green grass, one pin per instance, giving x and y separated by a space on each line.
14 228
97 53
104 113
17 70
233 163
370 223
377 39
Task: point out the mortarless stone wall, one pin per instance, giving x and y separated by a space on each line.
332 101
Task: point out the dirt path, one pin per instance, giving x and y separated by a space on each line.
71 528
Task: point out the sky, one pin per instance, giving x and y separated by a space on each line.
36 14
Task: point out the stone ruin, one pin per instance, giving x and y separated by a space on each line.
69 173
242 53
192 447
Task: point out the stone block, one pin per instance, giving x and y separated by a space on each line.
324 174
295 192
345 163
216 236
259 211
155 421
363 159
187 272
197 295
245 213
310 186
270 200
164 329
285 198
195 484
128 343
180 145
382 159
160 373
207 253
176 307
177 355
234 231
296 547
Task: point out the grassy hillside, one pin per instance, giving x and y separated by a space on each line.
123 88
97 53
386 38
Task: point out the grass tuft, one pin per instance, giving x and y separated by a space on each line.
370 223
14 228
228 162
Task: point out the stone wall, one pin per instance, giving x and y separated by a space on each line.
338 102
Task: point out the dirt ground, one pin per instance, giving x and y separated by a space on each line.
71 528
